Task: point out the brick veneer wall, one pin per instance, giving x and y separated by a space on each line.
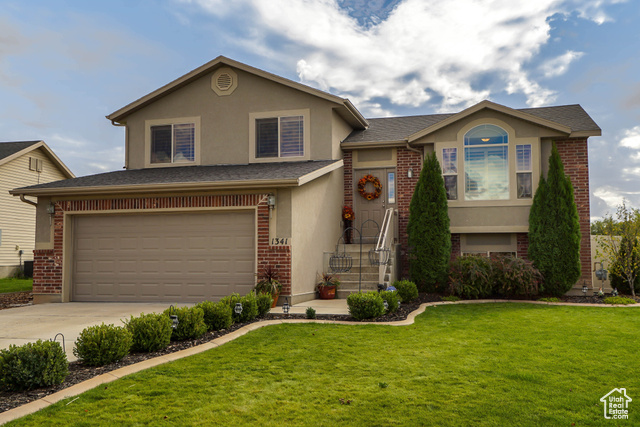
455 246
407 159
574 155
47 266
522 245
347 158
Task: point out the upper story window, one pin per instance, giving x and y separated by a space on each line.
172 141
486 166
524 171
280 137
450 172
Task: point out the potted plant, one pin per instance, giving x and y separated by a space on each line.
268 283
347 217
327 286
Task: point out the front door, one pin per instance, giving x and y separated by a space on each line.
373 209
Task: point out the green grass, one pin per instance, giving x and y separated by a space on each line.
15 285
487 364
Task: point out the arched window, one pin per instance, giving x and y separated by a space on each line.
486 166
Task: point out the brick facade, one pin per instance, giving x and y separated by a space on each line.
47 266
522 246
455 246
574 154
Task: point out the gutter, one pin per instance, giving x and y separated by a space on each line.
410 148
32 203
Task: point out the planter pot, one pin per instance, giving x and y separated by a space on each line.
327 292
275 299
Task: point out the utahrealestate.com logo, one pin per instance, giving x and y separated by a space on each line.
616 404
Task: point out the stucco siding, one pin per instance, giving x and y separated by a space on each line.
18 219
224 120
316 217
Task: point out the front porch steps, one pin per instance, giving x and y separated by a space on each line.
349 281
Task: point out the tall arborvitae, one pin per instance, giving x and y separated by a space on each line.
428 229
554 230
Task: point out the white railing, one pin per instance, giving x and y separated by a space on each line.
384 242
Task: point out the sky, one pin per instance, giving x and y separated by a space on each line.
65 65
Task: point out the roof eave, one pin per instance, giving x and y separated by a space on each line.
585 133
373 144
48 151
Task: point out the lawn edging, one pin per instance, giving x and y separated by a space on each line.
108 377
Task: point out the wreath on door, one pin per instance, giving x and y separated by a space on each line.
377 187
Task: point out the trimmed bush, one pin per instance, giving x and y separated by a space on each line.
102 344
311 313
407 290
249 306
217 315
190 323
619 300
450 298
470 277
365 305
32 365
392 298
264 302
150 332
619 281
514 276
552 299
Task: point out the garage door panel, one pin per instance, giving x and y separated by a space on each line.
170 257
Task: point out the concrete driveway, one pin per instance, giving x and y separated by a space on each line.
28 324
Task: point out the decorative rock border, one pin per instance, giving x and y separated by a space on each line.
108 377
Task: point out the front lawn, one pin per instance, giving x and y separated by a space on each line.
486 364
15 285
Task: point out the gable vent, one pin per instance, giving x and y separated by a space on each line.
224 81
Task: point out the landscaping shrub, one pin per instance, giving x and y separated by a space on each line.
625 260
102 344
450 298
619 300
553 299
217 315
365 305
249 306
150 332
470 277
190 323
407 290
392 298
32 365
514 276
264 302
311 313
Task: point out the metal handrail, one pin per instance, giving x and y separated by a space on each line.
382 242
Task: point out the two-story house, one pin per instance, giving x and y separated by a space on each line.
229 168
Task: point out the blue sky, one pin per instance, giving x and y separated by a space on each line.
64 65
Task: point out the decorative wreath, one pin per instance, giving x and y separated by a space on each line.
362 183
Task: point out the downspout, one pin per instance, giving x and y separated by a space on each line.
126 143
28 201
410 148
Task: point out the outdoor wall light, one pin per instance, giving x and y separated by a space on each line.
285 306
410 173
51 209
173 317
238 308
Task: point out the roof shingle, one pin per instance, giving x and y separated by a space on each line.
10 148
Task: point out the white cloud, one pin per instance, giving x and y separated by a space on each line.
631 138
424 51
560 65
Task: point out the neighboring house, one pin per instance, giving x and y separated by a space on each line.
21 164
230 168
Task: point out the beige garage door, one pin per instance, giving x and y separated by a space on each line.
184 257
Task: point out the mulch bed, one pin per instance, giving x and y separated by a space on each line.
79 372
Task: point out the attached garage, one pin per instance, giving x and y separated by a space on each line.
171 257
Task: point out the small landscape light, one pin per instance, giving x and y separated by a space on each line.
285 306
173 317
615 292
386 305
398 304
585 289
238 308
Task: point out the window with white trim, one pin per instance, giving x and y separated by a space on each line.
486 165
523 171
450 172
173 143
280 137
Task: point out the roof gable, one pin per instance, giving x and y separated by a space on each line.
12 150
344 107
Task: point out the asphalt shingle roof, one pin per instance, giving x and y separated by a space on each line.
399 128
191 174
10 148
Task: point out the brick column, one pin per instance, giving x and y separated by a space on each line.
407 159
574 155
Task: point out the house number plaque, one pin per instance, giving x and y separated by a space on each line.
280 241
